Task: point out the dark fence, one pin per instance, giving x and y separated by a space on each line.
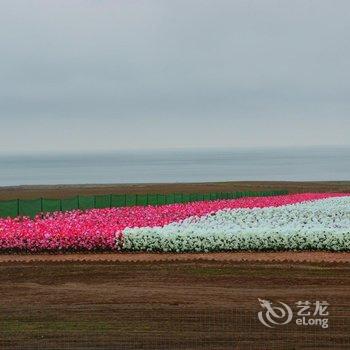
32 207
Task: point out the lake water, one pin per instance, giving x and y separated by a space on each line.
304 164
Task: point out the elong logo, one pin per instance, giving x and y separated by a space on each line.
277 315
274 315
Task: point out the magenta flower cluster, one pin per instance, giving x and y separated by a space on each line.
99 229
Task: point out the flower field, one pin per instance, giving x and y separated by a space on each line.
309 221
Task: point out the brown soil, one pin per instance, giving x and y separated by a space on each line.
64 191
288 256
150 304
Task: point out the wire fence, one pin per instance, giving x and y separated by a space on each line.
32 207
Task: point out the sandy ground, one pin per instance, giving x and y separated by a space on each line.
63 191
200 304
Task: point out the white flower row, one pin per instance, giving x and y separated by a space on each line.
317 225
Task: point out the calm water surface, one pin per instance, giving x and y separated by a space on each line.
322 163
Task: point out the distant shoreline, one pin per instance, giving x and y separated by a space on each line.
64 191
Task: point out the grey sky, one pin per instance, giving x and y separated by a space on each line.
98 75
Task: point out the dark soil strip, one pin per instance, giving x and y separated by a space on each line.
329 257
167 305
64 191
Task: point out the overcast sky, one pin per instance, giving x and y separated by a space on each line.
99 75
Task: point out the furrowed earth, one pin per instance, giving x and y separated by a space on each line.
193 303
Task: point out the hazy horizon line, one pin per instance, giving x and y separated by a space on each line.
167 149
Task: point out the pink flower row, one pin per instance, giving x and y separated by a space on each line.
97 229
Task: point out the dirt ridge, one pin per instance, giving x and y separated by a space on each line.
64 191
278 257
